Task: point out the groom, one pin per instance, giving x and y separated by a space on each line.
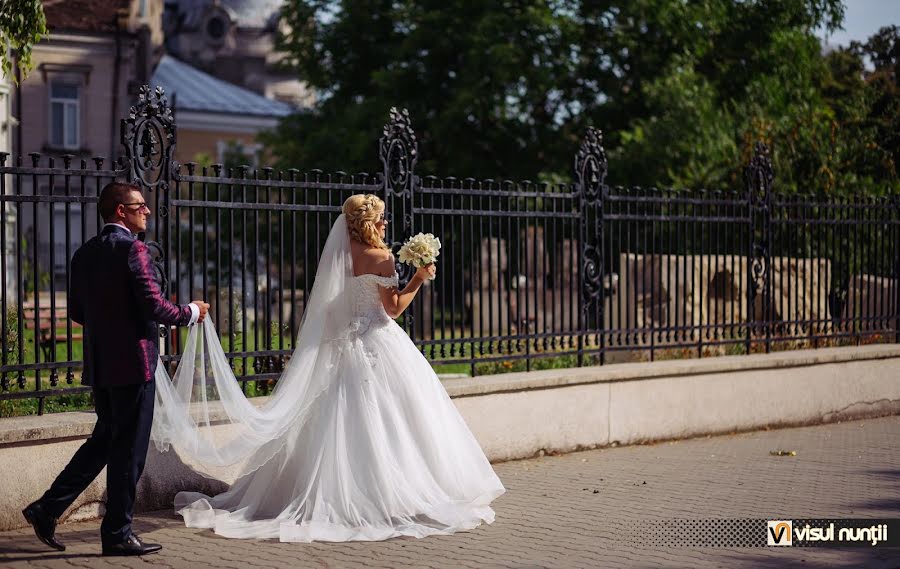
114 294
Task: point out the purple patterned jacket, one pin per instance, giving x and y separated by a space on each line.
114 294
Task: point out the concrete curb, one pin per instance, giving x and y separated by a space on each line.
46 428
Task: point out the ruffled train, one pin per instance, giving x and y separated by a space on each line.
383 453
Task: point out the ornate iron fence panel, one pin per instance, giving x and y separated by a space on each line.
248 241
531 275
676 264
48 208
507 289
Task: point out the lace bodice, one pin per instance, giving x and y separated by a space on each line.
366 296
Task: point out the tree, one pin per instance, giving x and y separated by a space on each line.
506 89
883 93
22 24
481 80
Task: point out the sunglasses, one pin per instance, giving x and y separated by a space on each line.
140 205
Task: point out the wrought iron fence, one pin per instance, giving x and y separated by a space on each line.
531 274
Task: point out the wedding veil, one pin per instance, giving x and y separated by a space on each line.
202 412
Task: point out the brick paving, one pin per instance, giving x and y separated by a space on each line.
573 510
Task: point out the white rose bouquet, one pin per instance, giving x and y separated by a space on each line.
420 250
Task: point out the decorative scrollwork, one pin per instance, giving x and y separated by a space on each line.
148 135
759 175
593 278
759 268
398 150
407 223
156 253
159 269
591 165
404 272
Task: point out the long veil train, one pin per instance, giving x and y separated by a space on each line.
358 441
204 390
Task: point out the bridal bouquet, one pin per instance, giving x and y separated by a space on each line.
420 250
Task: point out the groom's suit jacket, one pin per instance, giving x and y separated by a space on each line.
115 295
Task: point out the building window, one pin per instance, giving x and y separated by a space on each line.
216 26
64 127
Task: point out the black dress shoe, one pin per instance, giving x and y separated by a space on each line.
131 546
44 525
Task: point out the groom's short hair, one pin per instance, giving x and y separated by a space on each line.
113 194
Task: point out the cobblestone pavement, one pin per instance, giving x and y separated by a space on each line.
573 510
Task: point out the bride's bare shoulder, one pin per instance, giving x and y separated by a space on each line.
376 261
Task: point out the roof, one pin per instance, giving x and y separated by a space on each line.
84 15
195 90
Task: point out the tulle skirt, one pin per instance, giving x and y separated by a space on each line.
384 453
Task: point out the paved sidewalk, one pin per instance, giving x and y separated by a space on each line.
572 511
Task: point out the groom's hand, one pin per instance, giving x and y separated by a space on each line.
204 308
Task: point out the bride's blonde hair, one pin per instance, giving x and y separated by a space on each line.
362 212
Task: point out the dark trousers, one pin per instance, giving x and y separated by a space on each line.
119 442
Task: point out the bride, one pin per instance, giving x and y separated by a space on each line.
359 440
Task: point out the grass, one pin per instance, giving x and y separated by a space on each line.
82 401
442 369
515 353
55 404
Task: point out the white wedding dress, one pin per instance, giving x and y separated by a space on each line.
359 441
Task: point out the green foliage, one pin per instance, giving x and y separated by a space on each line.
537 364
56 404
681 89
43 276
22 24
234 156
756 72
11 346
203 160
482 80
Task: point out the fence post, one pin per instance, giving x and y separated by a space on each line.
148 137
398 151
758 177
591 167
896 218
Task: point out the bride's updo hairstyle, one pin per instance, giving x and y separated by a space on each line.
362 212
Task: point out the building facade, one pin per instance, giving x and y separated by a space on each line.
217 121
234 40
87 73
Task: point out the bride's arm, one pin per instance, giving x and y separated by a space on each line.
396 301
